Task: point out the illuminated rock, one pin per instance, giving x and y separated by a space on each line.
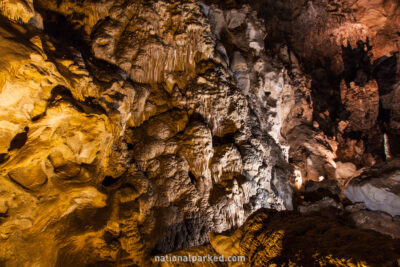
134 128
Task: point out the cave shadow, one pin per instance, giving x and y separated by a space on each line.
385 73
325 84
65 35
358 68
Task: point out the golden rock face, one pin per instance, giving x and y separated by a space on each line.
17 10
53 154
107 151
135 128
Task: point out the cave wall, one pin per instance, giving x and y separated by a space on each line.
135 128
125 133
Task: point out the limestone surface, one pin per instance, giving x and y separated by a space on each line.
130 129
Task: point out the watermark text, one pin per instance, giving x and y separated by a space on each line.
197 258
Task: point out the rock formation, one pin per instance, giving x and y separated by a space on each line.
135 128
270 238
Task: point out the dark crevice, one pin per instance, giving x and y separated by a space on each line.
384 115
61 93
394 144
109 181
325 92
64 35
192 177
355 135
226 139
229 44
3 157
324 143
197 117
117 96
130 146
357 63
38 117
384 72
19 140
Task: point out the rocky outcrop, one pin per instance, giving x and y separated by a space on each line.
374 220
378 188
339 116
135 128
362 104
124 134
281 238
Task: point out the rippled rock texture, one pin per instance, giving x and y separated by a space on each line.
270 238
135 128
124 134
